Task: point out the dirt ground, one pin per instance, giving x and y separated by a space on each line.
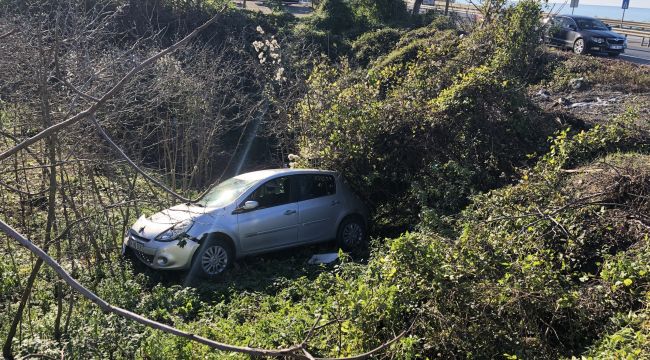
592 105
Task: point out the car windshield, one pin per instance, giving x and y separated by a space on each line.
591 24
226 192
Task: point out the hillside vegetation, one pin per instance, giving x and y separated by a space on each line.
509 183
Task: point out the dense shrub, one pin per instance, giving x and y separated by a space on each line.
374 13
334 16
374 44
420 109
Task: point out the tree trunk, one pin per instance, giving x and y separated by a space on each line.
416 6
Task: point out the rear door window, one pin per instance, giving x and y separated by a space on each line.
313 186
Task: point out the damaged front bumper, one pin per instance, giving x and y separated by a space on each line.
161 255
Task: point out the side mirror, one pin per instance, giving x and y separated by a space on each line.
573 27
250 205
609 27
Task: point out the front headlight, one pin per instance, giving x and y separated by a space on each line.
598 40
175 231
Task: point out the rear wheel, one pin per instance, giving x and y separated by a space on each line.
579 46
213 258
351 234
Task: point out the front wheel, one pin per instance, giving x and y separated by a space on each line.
579 46
213 258
351 234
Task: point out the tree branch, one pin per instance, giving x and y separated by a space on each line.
108 95
77 91
132 163
6 35
376 350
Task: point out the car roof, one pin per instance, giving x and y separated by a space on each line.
270 173
577 17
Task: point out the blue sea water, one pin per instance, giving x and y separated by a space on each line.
609 12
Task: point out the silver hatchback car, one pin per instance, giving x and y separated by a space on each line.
250 214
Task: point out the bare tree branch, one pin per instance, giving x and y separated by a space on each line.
133 164
77 91
376 350
6 35
108 95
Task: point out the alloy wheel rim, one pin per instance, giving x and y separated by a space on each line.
352 234
214 260
579 46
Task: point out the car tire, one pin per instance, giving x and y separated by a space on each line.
213 258
351 234
579 46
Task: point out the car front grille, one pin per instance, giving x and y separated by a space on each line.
134 235
615 41
145 258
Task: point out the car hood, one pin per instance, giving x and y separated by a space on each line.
603 33
154 225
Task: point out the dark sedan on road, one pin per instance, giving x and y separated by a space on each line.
584 34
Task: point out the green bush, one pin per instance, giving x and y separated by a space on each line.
374 44
374 13
333 16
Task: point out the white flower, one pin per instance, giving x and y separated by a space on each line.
293 157
258 45
278 75
260 30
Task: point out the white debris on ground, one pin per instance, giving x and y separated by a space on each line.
327 258
598 102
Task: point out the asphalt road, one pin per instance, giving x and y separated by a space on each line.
636 53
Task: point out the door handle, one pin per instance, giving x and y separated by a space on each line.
290 212
335 202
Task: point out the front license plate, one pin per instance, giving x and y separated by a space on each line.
136 245
617 47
